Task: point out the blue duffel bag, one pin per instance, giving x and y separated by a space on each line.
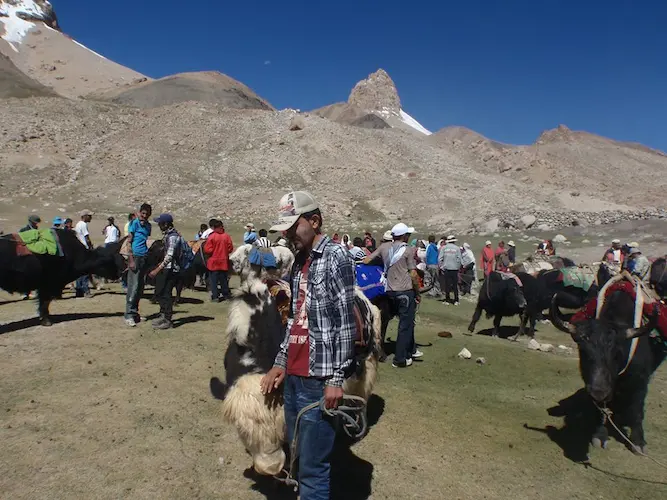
369 280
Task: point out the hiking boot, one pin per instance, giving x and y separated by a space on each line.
404 364
162 324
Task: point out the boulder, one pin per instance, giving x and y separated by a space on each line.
559 238
544 227
546 347
297 123
534 345
465 354
492 225
528 221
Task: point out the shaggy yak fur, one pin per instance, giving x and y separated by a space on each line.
48 274
256 328
498 297
604 353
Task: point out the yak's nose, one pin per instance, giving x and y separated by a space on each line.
599 395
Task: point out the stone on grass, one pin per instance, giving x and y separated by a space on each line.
534 345
465 354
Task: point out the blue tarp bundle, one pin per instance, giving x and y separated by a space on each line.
369 280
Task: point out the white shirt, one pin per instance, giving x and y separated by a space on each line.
111 234
206 233
81 230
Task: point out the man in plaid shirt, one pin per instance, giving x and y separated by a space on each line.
317 353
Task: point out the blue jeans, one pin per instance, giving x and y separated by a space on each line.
219 281
81 286
405 306
135 286
316 436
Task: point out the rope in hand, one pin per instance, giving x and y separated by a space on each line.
355 425
607 413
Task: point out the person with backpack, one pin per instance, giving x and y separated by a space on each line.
218 247
402 285
167 272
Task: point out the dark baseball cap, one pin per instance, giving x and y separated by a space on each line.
164 219
35 219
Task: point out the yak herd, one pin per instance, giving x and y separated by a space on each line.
618 347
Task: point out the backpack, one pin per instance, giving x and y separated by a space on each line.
186 255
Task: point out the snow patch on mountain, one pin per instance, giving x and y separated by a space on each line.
18 16
405 118
408 120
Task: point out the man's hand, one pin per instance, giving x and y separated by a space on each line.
272 379
332 395
131 264
154 272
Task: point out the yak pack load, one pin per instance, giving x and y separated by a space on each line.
37 241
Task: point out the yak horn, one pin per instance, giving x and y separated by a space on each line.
632 333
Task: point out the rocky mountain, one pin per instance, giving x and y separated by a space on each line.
13 83
372 98
202 144
31 39
210 86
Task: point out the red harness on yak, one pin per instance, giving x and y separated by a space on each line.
589 310
22 249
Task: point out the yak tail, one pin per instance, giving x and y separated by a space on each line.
218 388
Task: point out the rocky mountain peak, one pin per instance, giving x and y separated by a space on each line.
376 93
18 17
30 11
561 133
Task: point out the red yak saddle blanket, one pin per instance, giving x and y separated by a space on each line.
282 294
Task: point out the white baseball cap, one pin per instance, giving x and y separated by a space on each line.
511 243
488 242
451 239
401 229
616 241
292 206
387 236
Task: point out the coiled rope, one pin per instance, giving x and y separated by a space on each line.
351 410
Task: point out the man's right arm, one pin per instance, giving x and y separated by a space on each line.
377 253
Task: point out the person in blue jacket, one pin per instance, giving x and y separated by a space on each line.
432 266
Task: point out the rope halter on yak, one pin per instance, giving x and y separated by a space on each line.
355 425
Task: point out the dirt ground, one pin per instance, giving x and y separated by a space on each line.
93 409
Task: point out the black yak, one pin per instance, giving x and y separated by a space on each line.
48 274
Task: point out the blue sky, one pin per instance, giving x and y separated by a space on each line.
508 69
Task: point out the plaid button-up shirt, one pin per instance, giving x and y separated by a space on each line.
330 309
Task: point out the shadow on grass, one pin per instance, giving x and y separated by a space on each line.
578 424
390 346
351 476
178 322
55 319
580 419
5 302
503 332
95 294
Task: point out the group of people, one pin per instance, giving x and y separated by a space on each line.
216 244
447 269
628 257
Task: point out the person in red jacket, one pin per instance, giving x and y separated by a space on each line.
487 259
218 247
